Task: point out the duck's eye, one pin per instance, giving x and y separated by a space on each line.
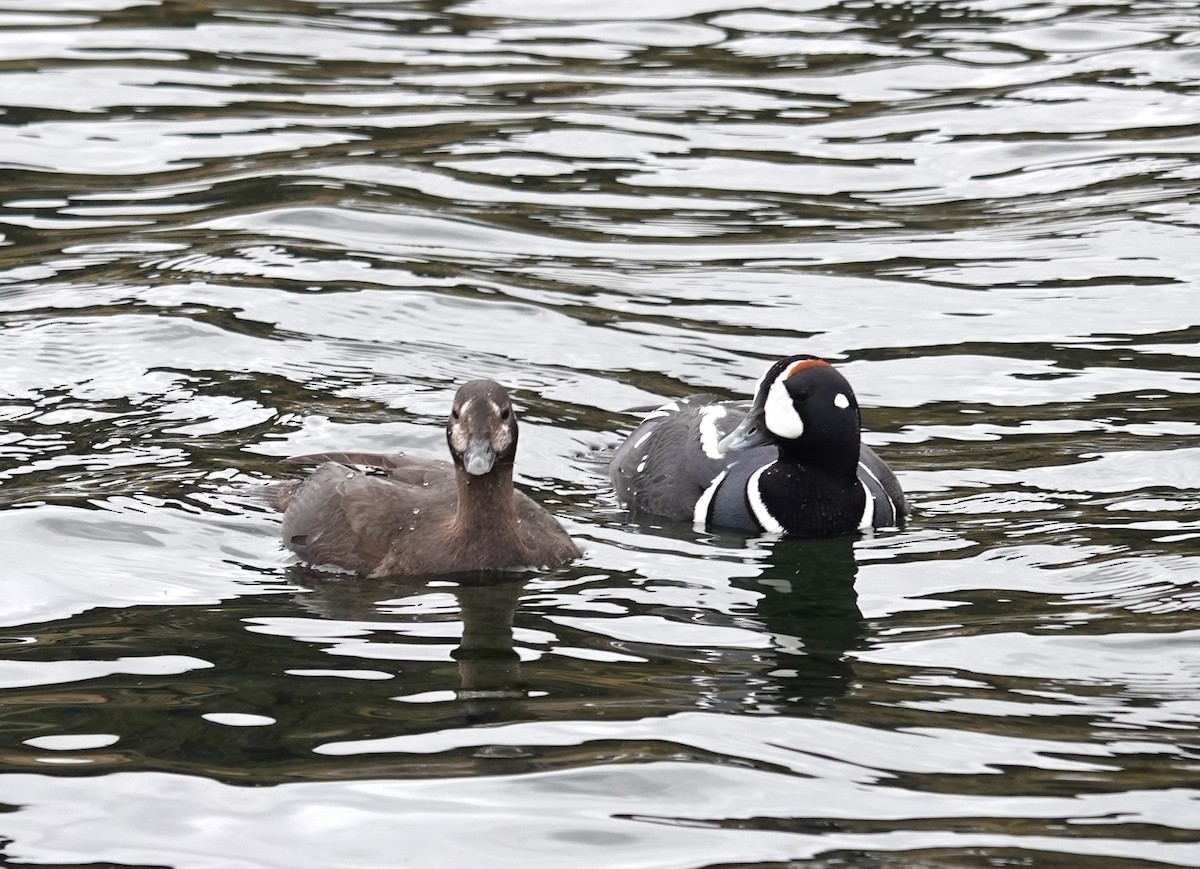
506 413
454 414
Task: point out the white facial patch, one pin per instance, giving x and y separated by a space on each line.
458 438
502 440
841 401
709 436
780 412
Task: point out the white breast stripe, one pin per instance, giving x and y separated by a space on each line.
868 517
700 514
871 500
761 514
709 436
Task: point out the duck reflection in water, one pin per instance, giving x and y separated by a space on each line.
804 608
803 602
810 608
489 667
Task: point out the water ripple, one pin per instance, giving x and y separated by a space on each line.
229 234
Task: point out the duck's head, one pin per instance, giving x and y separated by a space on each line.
803 406
482 430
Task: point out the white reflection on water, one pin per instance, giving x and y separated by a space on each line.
658 814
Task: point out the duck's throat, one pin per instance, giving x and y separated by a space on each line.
485 502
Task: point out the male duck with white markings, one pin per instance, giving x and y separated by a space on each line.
790 461
398 515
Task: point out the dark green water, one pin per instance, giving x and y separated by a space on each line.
231 232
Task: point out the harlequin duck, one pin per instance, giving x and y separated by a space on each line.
389 515
790 461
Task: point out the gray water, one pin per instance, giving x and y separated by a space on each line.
235 231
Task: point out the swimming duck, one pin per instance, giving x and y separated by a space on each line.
392 515
790 461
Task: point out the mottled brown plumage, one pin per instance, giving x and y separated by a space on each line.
388 515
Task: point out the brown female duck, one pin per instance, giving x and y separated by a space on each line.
389 515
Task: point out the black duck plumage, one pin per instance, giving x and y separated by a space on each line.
791 460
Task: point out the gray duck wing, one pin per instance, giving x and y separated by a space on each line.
669 461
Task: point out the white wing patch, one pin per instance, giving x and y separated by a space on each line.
700 514
666 410
761 514
641 439
709 436
780 412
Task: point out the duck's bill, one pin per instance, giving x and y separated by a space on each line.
751 432
479 457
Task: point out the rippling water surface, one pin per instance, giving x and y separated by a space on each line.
235 231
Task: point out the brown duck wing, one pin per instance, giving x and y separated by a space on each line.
386 461
423 473
280 495
415 470
548 541
341 516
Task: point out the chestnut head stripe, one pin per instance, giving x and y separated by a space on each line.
799 366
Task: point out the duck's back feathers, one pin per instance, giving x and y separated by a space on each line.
664 467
